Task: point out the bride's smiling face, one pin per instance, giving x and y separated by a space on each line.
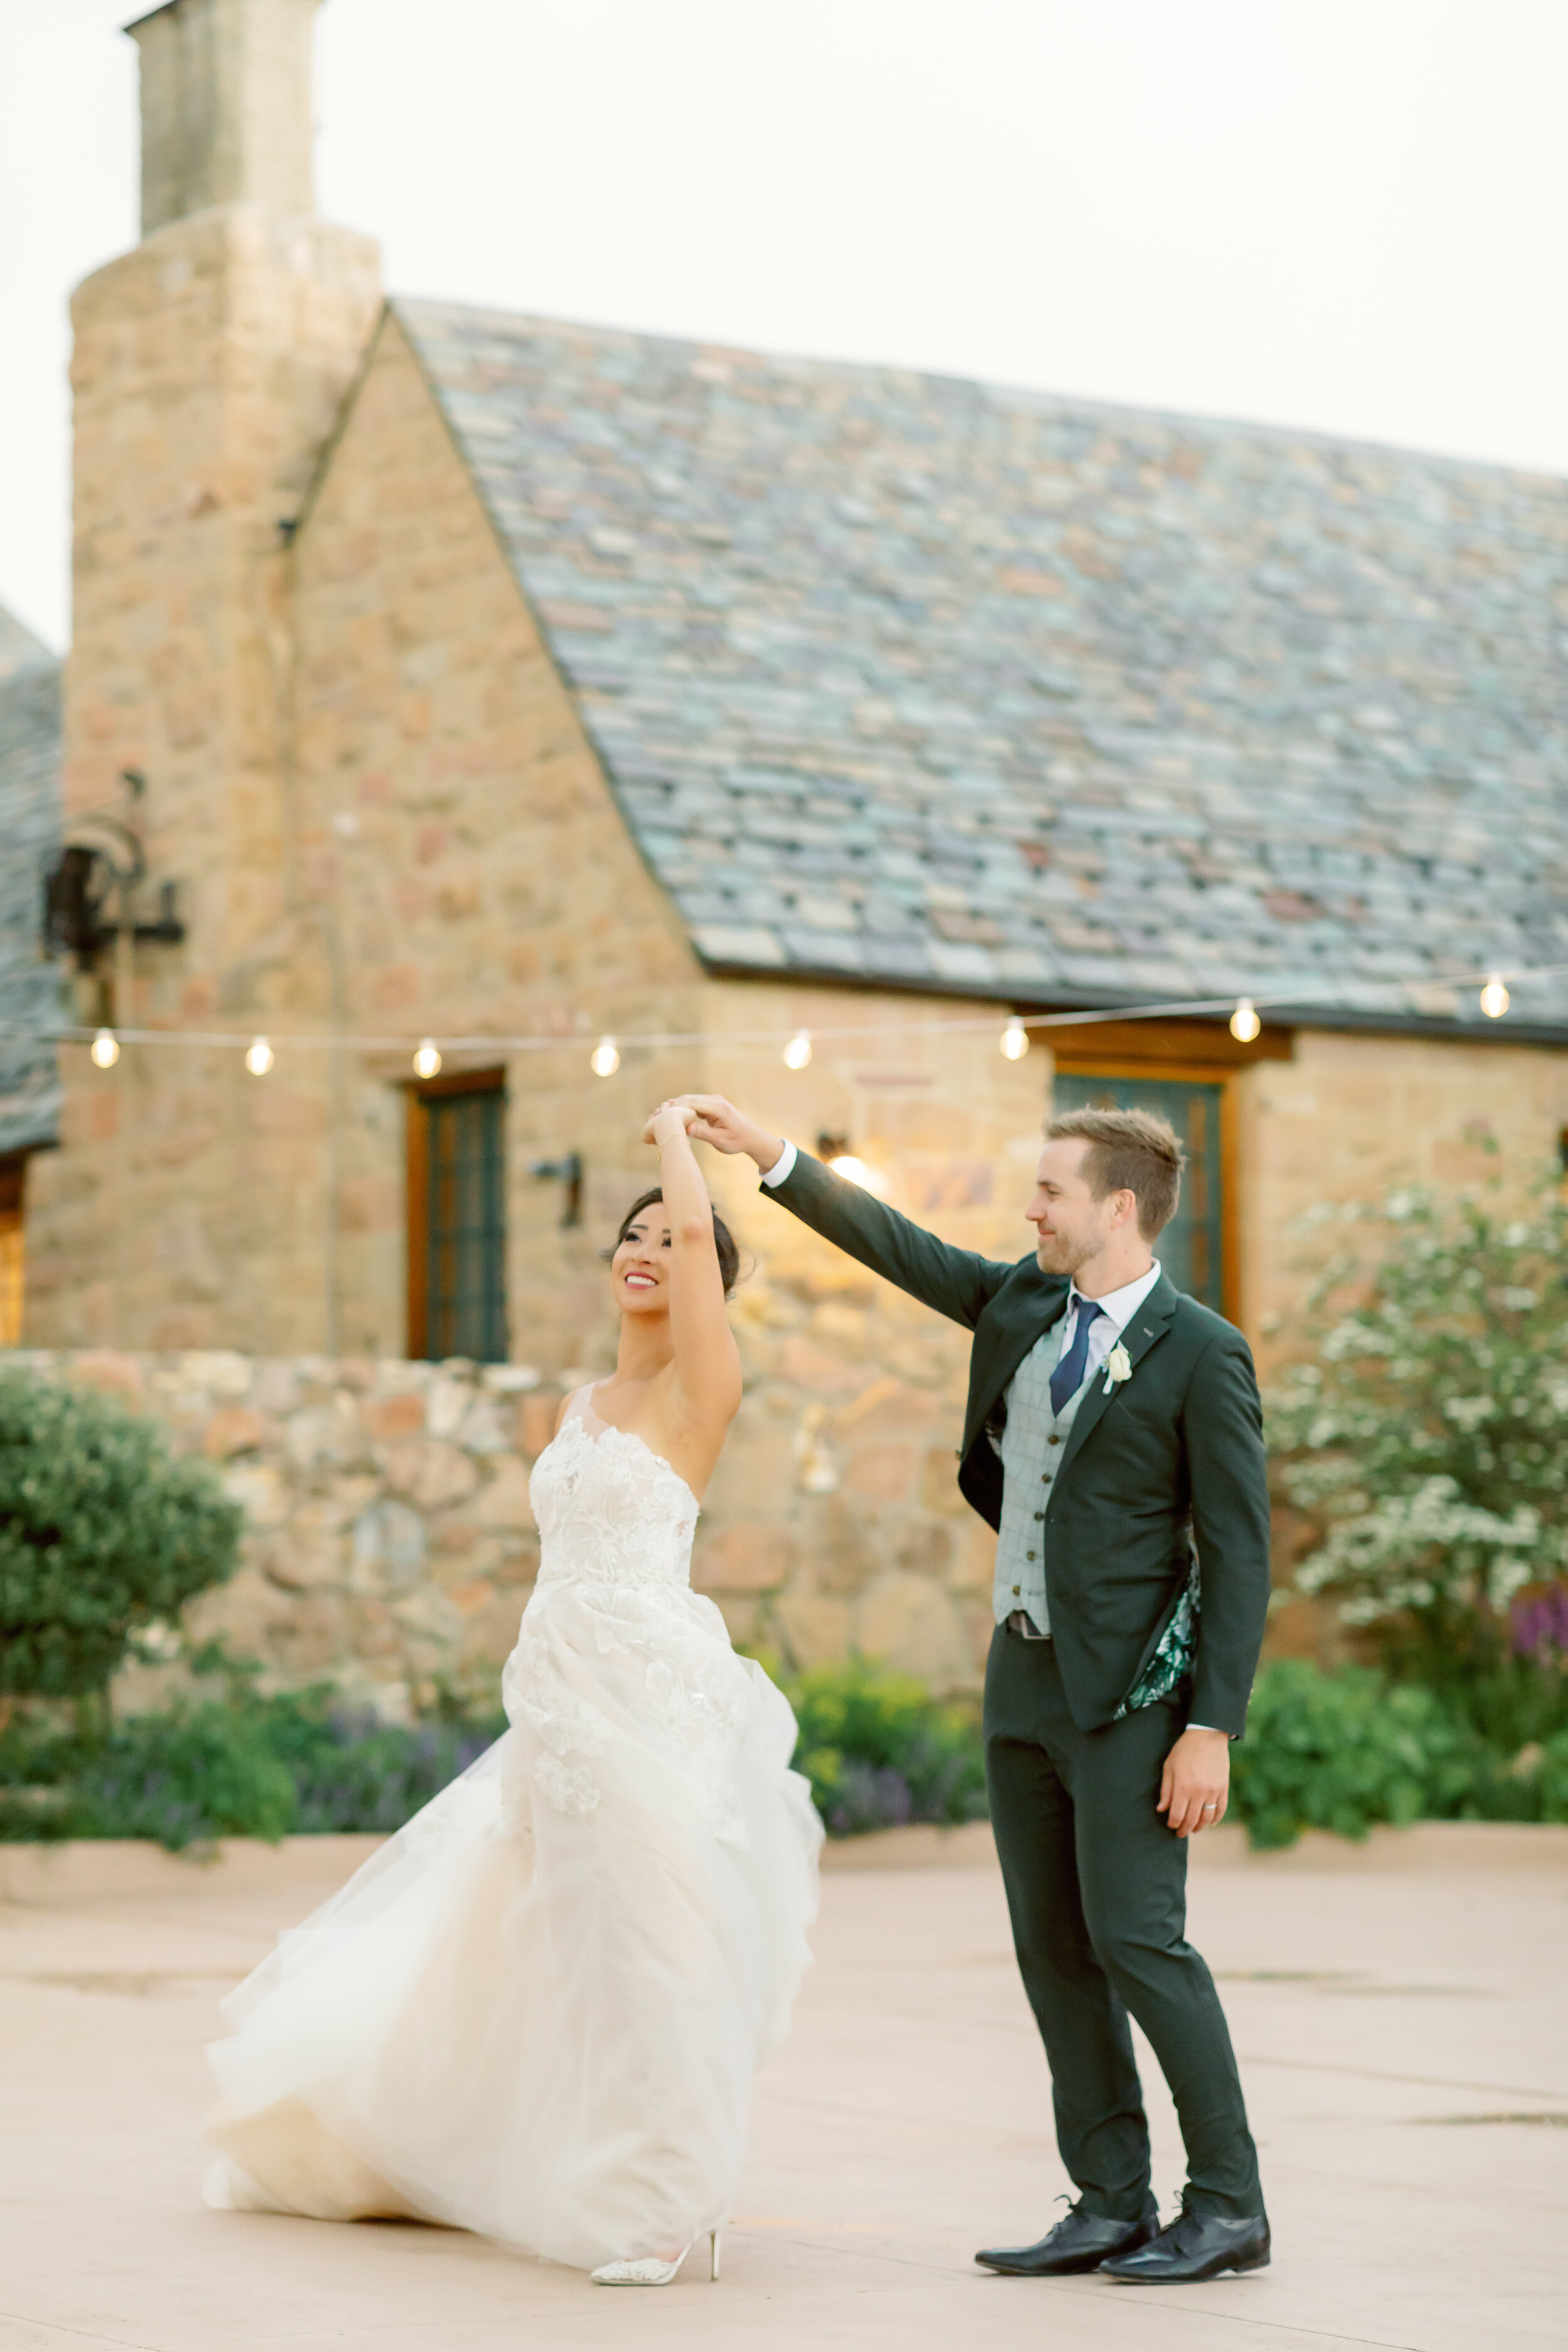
639 1270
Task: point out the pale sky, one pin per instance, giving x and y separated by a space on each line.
1346 215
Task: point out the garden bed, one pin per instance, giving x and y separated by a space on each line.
1342 1753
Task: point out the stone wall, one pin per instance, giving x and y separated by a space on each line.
390 1545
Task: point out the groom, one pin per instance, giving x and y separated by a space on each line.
1113 1438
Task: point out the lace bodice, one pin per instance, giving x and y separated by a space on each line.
609 1508
616 1524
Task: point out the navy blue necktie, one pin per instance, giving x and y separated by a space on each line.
1068 1378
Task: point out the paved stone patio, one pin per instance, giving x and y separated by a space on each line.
1400 2017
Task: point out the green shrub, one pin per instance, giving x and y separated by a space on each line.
1341 1751
252 1767
1511 1704
879 1750
182 1778
101 1531
350 1771
1337 1752
1551 1778
1426 1432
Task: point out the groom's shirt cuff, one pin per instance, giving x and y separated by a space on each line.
783 1166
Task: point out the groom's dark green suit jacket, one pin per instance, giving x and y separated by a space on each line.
1154 1466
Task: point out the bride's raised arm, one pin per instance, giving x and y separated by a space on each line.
707 1372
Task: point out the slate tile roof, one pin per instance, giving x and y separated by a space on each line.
938 685
29 830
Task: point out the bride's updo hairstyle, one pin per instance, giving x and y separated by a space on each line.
723 1239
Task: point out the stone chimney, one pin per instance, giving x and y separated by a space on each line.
226 106
210 367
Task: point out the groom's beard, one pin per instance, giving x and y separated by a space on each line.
1055 1254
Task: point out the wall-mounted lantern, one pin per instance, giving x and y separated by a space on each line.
89 884
566 1170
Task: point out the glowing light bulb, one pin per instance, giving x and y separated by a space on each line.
258 1057
1494 997
106 1049
427 1060
1015 1041
844 1163
605 1060
1245 1023
797 1052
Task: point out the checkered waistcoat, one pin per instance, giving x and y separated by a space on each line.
1031 1446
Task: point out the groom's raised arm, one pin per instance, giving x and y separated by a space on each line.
957 1283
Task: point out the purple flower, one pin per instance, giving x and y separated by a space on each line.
1541 1626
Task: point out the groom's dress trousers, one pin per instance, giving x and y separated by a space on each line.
1100 1498
1097 1892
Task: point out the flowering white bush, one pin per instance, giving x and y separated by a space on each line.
1427 1436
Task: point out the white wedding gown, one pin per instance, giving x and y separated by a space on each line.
537 2011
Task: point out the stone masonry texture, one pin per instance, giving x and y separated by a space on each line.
389 1547
208 366
226 106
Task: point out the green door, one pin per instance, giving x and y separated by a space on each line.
1189 1248
465 1251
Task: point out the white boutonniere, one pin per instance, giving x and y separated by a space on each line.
1118 1367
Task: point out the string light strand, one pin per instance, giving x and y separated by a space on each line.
1494 985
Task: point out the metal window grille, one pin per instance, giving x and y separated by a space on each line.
465 1227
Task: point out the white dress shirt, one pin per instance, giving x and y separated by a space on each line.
782 1166
1117 1308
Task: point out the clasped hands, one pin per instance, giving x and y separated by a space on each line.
670 1118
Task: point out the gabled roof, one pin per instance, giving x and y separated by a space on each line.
29 831
933 684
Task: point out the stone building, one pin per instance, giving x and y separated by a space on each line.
519 686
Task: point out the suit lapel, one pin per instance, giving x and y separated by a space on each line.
1147 1327
1025 1324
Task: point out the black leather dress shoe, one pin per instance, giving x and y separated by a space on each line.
1196 2246
1079 2242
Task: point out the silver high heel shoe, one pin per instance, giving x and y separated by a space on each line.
649 2271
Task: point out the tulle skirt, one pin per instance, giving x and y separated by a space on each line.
536 2011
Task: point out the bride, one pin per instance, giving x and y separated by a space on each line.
536 2011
